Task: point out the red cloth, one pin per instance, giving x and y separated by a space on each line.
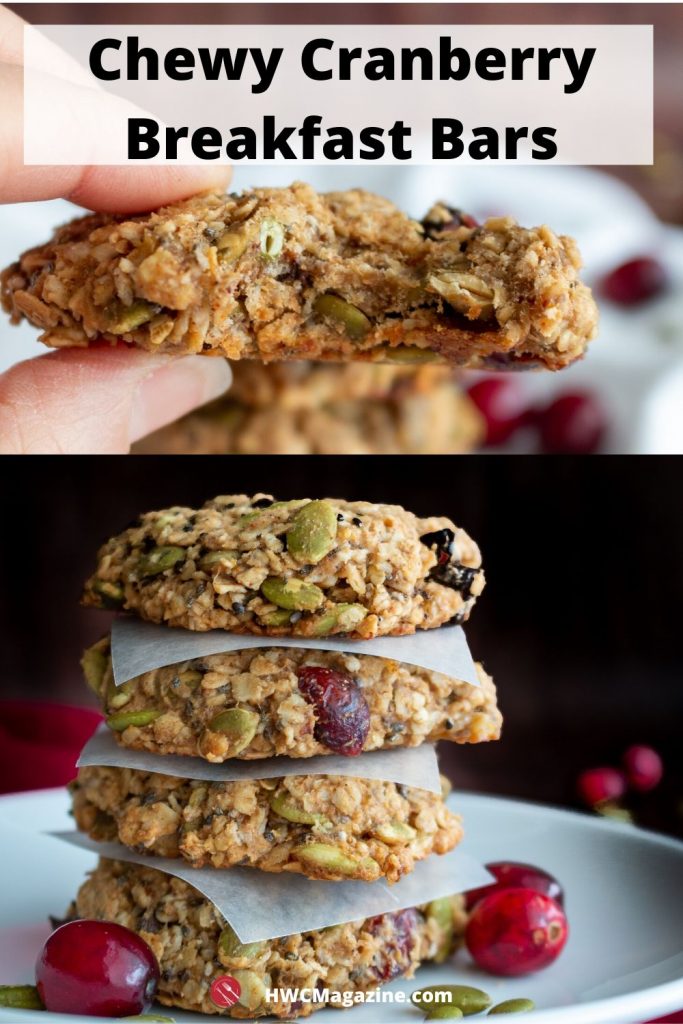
40 742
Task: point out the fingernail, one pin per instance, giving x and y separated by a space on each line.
174 389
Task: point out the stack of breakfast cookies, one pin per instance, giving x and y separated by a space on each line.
302 408
299 588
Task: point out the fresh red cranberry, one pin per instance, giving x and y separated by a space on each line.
596 785
502 404
643 767
510 874
635 281
574 424
97 968
395 956
342 712
516 931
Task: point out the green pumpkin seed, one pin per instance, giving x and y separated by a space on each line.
231 245
213 559
394 832
285 807
94 664
159 560
352 319
111 595
312 533
239 725
139 718
441 911
292 593
280 617
231 947
118 696
271 238
342 618
469 1000
20 997
252 989
121 318
409 354
445 1011
330 858
513 1006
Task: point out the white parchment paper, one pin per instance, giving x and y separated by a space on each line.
408 766
138 647
260 905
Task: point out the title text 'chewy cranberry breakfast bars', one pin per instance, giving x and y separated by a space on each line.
271 701
286 273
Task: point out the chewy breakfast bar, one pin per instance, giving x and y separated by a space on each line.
324 826
286 273
194 945
290 568
292 702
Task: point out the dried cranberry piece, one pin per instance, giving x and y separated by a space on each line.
395 957
442 540
453 220
447 570
342 712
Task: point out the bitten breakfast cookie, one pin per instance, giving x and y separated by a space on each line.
285 273
323 826
194 944
290 568
289 702
302 408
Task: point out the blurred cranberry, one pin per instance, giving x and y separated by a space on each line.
503 406
635 281
574 424
516 931
510 874
643 767
599 784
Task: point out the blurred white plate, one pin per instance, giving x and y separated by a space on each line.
635 366
623 962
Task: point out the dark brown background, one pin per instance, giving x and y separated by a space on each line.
661 184
579 622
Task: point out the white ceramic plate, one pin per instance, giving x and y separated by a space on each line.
623 962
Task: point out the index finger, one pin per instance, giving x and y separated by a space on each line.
119 189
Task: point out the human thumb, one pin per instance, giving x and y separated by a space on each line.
100 400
